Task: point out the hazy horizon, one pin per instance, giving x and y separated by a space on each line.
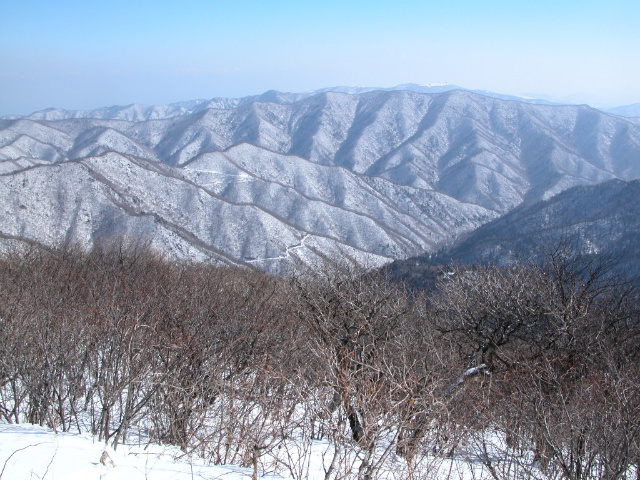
81 55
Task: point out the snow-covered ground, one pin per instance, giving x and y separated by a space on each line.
33 452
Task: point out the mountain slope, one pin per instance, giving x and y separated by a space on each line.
593 220
386 174
227 207
632 110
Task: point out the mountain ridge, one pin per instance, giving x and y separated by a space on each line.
577 217
142 112
422 168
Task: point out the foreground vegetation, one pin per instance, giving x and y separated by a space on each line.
532 372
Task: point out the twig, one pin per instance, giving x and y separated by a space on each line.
50 463
16 451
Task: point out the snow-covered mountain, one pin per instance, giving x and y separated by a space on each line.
380 174
601 219
632 110
139 112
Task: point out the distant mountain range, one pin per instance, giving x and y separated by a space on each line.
370 174
138 112
591 220
626 110
596 222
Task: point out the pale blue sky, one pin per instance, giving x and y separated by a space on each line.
87 54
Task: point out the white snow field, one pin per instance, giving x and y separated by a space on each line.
32 452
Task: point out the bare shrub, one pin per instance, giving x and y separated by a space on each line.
559 345
373 363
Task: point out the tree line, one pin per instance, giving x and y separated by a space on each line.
528 372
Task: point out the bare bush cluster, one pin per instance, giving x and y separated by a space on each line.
532 372
559 349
